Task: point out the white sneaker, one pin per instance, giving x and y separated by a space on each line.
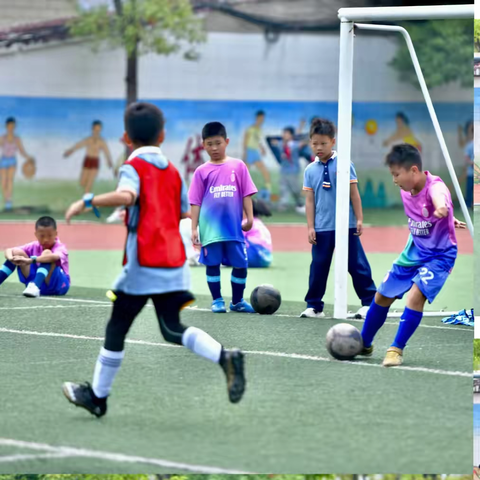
193 261
117 216
31 291
300 210
363 311
311 313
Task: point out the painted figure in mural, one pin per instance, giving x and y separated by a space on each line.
320 185
192 157
465 142
94 144
287 152
10 144
253 151
403 133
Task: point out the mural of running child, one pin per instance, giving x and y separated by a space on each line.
94 144
10 144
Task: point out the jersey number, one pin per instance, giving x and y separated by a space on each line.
426 275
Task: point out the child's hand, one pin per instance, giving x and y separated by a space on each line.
75 209
195 239
359 228
459 224
20 260
247 225
441 212
312 236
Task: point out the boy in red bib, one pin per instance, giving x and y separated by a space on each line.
154 262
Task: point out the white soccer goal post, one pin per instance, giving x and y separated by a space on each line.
348 18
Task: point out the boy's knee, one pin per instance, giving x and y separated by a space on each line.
416 299
383 301
18 252
47 251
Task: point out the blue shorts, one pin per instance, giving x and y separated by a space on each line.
7 162
232 254
429 278
253 156
59 281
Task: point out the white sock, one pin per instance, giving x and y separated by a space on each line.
202 344
107 366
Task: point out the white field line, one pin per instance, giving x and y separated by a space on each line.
24 457
194 308
250 352
115 457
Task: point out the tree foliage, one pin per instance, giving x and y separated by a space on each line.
444 49
158 26
477 35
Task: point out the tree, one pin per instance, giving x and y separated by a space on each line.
444 50
141 26
477 35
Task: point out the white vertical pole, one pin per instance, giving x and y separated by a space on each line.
344 140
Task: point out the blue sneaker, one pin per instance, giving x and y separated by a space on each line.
8 205
242 307
218 306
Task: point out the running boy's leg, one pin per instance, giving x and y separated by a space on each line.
94 398
360 271
168 307
322 254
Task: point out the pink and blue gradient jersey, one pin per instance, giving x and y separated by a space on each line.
35 249
430 237
259 245
219 190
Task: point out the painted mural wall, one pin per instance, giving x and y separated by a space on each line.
55 93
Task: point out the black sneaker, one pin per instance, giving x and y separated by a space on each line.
81 395
233 366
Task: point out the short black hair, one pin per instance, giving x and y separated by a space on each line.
144 123
290 130
321 126
260 113
97 122
214 129
46 222
405 156
402 116
10 120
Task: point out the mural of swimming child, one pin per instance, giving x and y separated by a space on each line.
94 144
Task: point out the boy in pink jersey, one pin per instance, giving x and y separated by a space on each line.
42 265
221 190
428 258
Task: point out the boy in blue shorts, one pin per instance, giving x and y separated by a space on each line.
320 184
42 265
221 190
155 265
428 258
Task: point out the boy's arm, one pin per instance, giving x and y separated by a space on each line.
439 198
248 209
310 214
357 206
80 144
107 154
195 212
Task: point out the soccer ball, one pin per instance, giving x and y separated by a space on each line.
265 299
344 341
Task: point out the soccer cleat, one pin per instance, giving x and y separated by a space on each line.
362 312
393 358
241 307
311 313
367 351
300 210
32 291
233 366
218 306
81 395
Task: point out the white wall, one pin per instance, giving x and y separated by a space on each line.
232 66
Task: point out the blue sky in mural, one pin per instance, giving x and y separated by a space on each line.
72 118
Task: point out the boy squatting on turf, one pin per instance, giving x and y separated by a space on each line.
428 258
155 194
42 265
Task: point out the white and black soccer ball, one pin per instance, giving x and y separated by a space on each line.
344 341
